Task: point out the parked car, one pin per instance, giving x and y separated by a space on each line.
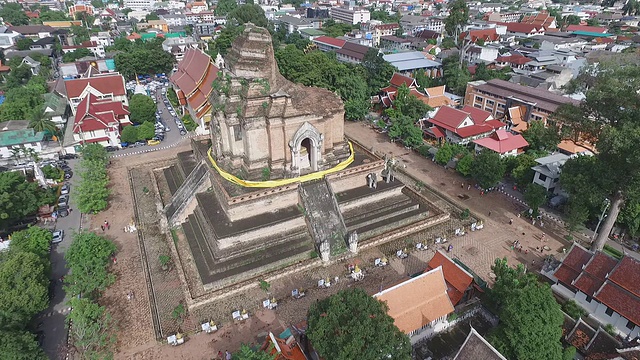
124 144
68 175
58 236
68 156
63 201
158 137
140 143
153 142
65 167
64 190
63 212
112 148
183 132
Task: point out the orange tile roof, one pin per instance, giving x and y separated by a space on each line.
419 301
458 280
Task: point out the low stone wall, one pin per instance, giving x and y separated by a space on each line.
373 197
180 205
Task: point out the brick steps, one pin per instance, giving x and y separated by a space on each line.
390 223
174 178
374 208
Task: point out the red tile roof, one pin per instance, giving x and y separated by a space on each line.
593 29
572 264
627 275
457 279
194 79
477 115
93 114
516 59
484 34
523 28
502 142
449 118
540 19
330 41
106 84
387 26
595 273
622 302
398 79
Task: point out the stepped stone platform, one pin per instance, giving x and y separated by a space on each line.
241 236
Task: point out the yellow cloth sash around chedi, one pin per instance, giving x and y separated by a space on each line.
275 183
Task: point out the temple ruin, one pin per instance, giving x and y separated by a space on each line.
262 121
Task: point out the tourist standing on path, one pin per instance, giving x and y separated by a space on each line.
511 221
227 355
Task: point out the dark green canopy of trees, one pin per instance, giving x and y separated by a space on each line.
142 109
14 14
488 168
19 198
142 58
353 325
530 319
610 118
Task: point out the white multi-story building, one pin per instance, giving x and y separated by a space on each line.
139 15
174 19
350 15
139 4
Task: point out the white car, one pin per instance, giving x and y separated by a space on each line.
64 190
58 236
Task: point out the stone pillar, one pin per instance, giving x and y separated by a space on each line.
325 251
353 242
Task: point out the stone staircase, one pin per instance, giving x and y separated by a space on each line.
371 212
323 215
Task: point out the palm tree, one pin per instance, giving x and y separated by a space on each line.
39 122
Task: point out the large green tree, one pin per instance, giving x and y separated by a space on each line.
14 14
90 334
19 198
353 325
95 152
34 239
378 71
19 345
88 259
610 113
129 134
248 13
530 325
224 7
535 196
23 288
458 16
456 76
541 137
92 193
142 109
144 57
488 168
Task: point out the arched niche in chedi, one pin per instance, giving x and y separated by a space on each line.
306 149
262 120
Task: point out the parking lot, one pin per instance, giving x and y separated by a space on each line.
169 127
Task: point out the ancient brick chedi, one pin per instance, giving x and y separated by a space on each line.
262 120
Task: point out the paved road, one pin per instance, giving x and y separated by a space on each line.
170 139
52 320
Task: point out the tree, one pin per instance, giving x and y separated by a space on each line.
530 319
142 109
19 345
541 137
92 192
522 174
81 33
458 16
593 22
152 16
444 154
249 13
144 58
88 258
98 4
24 43
465 164
49 15
225 7
456 76
19 198
610 113
488 168
90 332
535 196
353 325
246 353
378 71
23 288
74 55
146 131
95 152
572 20
14 14
39 122
34 240
129 134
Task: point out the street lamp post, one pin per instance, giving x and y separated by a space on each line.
602 216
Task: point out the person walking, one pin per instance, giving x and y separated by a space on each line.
227 355
511 221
